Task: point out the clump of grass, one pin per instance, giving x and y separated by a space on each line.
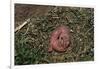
32 41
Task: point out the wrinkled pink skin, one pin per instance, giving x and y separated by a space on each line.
60 39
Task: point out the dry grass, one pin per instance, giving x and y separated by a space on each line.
32 41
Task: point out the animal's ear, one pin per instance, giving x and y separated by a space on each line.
50 49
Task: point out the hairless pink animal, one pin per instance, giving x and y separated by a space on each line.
60 39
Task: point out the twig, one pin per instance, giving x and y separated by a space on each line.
89 30
22 25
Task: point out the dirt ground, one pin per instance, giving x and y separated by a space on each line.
32 41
